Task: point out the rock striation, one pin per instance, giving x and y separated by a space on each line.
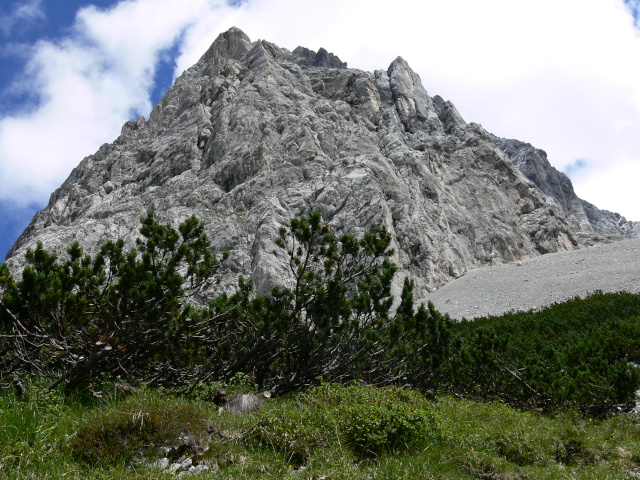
320 59
591 224
254 134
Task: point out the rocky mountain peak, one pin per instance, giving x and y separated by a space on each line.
232 44
322 58
253 135
411 99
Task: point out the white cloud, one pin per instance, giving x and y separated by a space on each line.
563 76
615 187
23 13
89 84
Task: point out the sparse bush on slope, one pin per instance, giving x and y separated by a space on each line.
128 313
335 321
120 312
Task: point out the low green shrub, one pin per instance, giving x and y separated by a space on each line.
372 421
139 423
293 431
367 420
580 353
128 312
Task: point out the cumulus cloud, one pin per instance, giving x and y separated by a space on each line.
563 76
22 14
87 84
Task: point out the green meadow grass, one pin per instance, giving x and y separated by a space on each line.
331 432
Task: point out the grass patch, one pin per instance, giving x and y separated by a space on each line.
332 431
33 427
140 425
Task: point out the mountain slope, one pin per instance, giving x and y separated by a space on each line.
254 134
542 281
592 224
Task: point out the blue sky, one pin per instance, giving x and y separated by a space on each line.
634 8
563 76
22 24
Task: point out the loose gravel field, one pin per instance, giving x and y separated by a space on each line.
541 281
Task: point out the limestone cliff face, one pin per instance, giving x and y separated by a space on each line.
590 223
253 135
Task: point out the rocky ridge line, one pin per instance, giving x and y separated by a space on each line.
592 224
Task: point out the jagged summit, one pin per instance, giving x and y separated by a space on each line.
232 44
254 134
320 59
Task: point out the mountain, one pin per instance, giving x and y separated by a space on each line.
592 224
254 134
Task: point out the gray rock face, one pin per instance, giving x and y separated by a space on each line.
590 223
320 59
242 403
608 224
254 134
